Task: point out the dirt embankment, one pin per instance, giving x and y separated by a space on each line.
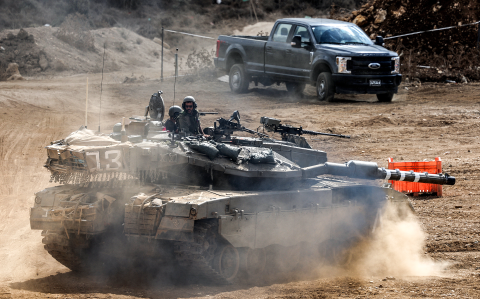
40 51
450 54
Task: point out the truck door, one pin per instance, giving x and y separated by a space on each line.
299 59
276 50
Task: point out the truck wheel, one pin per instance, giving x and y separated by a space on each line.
295 88
325 87
385 97
238 79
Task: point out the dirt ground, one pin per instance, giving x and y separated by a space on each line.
423 122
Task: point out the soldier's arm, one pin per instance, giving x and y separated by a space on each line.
200 128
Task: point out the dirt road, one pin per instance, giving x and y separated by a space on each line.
422 123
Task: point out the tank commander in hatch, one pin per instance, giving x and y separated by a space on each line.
188 120
170 124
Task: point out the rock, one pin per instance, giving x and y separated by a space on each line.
12 73
15 77
22 34
43 62
360 20
390 278
159 41
59 65
2 49
381 16
130 79
399 12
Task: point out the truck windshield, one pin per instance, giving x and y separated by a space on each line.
340 35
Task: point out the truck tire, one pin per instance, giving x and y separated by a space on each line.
295 88
325 87
385 97
238 79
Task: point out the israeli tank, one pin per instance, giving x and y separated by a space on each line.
217 209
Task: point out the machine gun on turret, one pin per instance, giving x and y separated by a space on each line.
273 125
206 113
225 128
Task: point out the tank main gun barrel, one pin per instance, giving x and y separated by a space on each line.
370 170
205 113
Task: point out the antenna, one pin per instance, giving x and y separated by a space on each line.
176 75
86 106
101 88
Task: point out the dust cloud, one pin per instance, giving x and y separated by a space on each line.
396 247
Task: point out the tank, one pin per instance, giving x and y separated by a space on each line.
215 210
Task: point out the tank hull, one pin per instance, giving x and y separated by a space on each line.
199 228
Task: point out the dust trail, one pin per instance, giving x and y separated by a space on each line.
395 248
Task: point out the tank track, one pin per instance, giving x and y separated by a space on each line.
59 247
196 258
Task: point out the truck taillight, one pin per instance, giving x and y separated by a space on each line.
218 48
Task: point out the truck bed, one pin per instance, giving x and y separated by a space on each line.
252 47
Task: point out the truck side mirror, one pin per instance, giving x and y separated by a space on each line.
379 41
296 41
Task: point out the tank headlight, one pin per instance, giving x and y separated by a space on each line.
396 65
342 65
38 200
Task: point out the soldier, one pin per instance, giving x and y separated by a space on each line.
188 121
170 124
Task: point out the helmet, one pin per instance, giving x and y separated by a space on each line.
189 99
174 111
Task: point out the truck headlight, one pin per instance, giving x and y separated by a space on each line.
342 65
396 65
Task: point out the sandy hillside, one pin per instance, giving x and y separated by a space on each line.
123 49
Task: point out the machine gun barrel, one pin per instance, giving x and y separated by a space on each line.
370 170
254 132
205 113
273 124
326 134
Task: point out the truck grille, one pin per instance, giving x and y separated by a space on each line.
359 65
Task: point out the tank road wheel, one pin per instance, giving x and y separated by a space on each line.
253 262
61 249
295 89
284 259
310 258
208 257
238 79
227 262
325 87
333 253
385 97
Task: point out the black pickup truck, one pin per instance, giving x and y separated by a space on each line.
334 56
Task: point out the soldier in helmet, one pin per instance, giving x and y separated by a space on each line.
188 121
170 124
